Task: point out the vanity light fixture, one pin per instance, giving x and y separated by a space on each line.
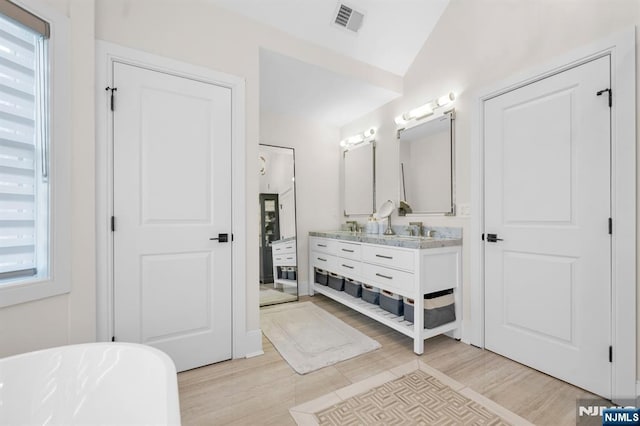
424 110
366 136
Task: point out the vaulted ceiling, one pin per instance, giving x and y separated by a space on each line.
391 34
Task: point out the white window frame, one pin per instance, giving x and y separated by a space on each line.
621 48
58 279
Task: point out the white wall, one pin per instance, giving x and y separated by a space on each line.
317 177
474 45
68 318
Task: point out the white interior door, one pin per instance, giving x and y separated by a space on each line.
547 196
172 193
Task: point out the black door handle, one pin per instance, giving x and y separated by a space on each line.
493 238
222 238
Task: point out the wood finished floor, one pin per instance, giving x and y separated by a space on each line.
260 390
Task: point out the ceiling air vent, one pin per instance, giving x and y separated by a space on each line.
348 18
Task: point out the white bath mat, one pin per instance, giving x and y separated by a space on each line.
310 338
270 297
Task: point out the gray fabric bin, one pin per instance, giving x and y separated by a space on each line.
336 282
370 294
322 277
439 309
391 302
291 273
352 287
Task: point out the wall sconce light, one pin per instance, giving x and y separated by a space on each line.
366 136
424 110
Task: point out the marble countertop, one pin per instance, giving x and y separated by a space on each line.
405 241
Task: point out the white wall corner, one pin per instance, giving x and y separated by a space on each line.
466 333
303 288
253 344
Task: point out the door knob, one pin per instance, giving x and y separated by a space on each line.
221 238
493 238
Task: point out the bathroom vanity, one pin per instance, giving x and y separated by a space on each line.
284 256
404 265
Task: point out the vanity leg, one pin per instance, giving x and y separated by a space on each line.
275 276
457 333
418 345
418 324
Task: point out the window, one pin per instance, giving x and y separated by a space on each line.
24 190
34 233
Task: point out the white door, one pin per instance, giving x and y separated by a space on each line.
172 193
547 197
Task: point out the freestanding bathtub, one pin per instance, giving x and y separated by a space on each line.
89 384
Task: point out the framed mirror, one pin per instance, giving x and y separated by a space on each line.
278 242
359 179
427 172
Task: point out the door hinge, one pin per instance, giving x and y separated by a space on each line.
482 237
610 353
113 338
113 223
610 226
600 92
112 90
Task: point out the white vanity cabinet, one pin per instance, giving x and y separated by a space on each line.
284 254
410 272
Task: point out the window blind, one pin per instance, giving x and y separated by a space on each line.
19 151
24 17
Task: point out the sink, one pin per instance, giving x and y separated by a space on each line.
411 237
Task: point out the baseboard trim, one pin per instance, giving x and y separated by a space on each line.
254 354
253 343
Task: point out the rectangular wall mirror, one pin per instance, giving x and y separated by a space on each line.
359 179
427 167
278 247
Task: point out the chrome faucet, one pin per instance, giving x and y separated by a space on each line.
419 226
352 225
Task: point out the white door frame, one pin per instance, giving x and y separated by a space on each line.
106 55
621 47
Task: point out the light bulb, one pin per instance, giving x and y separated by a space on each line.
370 132
400 120
446 99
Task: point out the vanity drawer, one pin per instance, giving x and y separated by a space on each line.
389 279
322 261
323 245
387 256
281 248
288 259
348 268
349 250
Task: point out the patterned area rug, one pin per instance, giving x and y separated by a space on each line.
412 394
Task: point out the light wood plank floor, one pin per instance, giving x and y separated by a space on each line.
260 390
